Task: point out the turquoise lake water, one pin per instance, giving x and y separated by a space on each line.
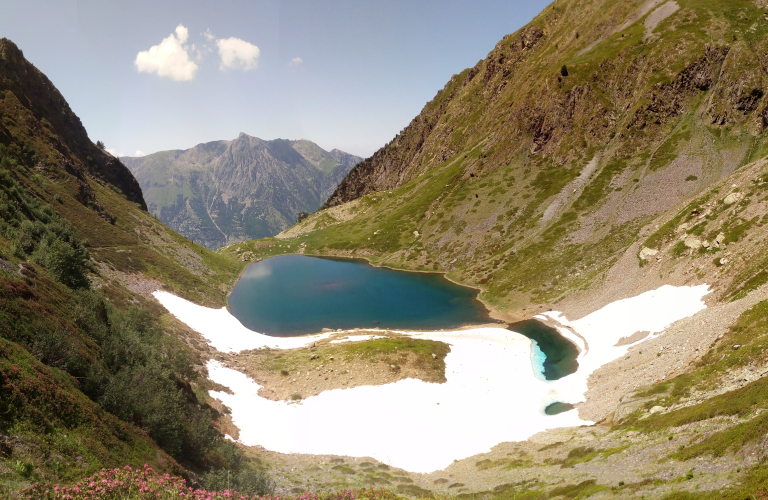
553 354
295 295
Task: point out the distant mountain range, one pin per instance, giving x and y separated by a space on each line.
223 192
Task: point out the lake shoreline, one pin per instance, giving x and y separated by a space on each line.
291 295
493 313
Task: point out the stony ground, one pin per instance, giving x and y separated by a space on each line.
337 362
629 462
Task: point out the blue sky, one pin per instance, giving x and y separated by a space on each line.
344 74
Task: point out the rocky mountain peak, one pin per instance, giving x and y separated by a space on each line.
222 192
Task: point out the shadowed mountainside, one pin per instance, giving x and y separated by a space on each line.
21 84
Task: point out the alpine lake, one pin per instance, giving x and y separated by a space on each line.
294 295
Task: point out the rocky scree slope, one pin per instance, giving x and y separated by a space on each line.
532 173
223 192
93 373
606 149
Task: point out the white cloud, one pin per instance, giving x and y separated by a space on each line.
170 58
114 152
208 35
237 54
140 153
295 61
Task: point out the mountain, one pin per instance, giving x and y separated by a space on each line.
223 192
605 149
93 373
532 173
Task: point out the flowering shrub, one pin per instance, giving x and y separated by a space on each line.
144 484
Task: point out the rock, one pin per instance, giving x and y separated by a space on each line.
723 261
647 252
692 242
705 244
736 347
720 239
656 409
314 356
392 366
416 234
733 198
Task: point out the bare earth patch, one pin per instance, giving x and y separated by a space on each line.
295 374
635 337
658 15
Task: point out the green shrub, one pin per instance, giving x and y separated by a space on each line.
67 264
38 234
679 248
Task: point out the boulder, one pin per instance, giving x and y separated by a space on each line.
692 242
720 239
733 198
645 253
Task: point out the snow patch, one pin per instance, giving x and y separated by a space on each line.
492 394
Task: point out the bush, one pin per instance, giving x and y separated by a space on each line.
66 264
564 70
38 234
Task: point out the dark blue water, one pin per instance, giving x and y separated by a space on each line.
295 295
559 354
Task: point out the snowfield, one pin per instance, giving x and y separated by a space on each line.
492 394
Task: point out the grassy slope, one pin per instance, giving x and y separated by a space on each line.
506 137
465 187
56 430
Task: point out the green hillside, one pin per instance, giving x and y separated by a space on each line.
607 148
532 184
94 373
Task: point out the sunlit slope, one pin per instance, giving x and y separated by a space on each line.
532 184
